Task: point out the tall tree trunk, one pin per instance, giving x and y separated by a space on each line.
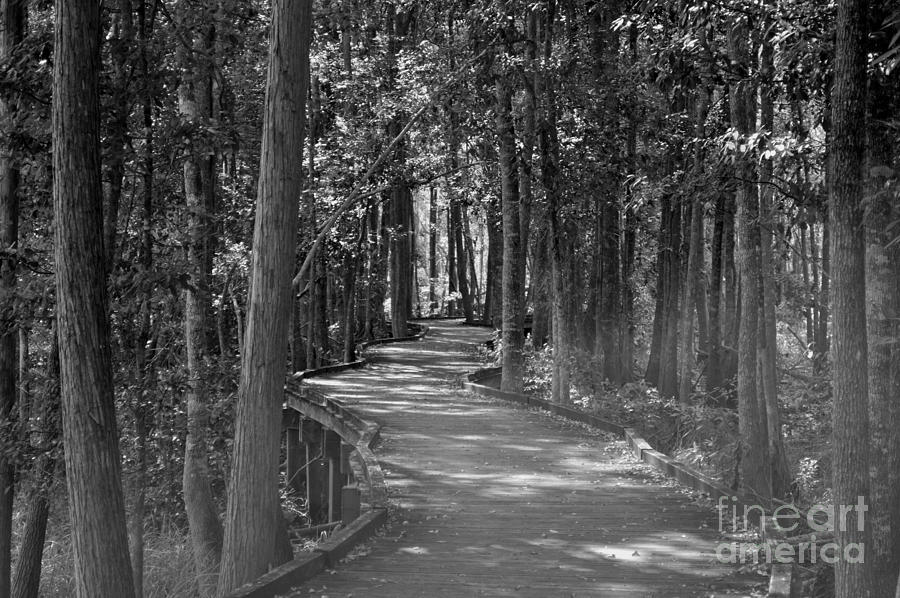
767 339
549 147
121 41
28 571
90 436
474 289
883 315
142 370
671 297
462 259
28 568
689 306
513 337
194 102
731 321
451 267
12 29
820 352
755 464
714 359
493 308
531 85
254 519
432 251
850 444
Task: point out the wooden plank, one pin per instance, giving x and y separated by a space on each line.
283 579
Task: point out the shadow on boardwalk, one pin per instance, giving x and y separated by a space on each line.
495 501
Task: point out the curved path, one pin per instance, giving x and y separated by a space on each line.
490 500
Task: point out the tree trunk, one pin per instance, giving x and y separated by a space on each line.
12 29
432 251
767 339
254 519
451 267
755 464
194 97
474 290
669 298
513 337
526 157
462 260
690 307
493 308
28 568
731 322
883 303
848 277
121 41
820 352
90 436
714 359
549 147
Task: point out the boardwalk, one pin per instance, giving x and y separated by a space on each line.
496 501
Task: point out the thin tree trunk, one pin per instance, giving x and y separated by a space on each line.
12 29
768 341
731 322
850 444
755 463
531 85
121 41
714 363
820 352
253 519
194 96
28 568
513 338
93 474
549 146
432 251
474 289
883 303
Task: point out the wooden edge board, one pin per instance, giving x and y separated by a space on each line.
784 582
283 578
342 541
781 576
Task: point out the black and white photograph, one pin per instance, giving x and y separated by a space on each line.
449 299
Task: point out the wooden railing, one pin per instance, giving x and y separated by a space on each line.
329 460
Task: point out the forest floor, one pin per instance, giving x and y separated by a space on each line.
490 500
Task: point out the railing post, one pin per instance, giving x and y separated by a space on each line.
296 456
346 469
333 453
316 472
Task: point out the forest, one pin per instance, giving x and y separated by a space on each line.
681 215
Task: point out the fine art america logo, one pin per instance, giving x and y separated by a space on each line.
821 519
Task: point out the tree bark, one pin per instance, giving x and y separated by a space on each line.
12 29
194 103
121 41
549 148
513 338
755 464
714 359
768 341
93 475
883 309
850 443
432 251
254 517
